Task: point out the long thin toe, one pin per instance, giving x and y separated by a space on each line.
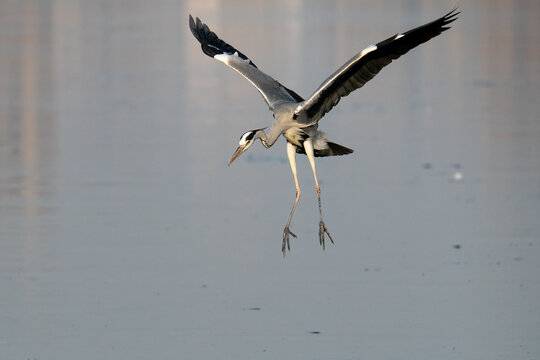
322 231
286 244
329 236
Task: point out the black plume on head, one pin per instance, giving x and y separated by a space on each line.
251 134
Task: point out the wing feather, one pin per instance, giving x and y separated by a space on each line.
366 64
271 90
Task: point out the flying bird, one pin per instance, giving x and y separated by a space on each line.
296 118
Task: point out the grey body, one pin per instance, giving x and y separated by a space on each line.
297 129
297 119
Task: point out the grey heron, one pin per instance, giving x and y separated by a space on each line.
297 119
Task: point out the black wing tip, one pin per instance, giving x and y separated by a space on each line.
447 19
211 44
451 16
194 25
443 21
205 36
438 26
435 27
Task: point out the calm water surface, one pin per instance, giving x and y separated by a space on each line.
124 235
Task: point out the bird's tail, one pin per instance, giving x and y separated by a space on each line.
333 150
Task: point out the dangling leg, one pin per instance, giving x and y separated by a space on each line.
291 153
308 146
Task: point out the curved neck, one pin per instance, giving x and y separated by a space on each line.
267 140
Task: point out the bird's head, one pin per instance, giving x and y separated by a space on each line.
246 140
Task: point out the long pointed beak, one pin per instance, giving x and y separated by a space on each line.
236 154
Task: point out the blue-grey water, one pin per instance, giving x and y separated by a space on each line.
124 235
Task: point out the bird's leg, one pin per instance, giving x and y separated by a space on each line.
291 153
308 146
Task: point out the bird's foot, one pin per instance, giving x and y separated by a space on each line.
286 244
323 230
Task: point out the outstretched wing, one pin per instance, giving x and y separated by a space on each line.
366 64
272 91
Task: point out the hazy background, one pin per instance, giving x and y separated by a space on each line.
124 235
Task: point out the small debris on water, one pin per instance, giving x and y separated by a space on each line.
315 332
457 176
457 246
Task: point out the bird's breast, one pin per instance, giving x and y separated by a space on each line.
296 136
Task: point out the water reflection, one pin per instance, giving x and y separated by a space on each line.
28 132
121 225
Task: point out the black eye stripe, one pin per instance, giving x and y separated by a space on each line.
250 136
